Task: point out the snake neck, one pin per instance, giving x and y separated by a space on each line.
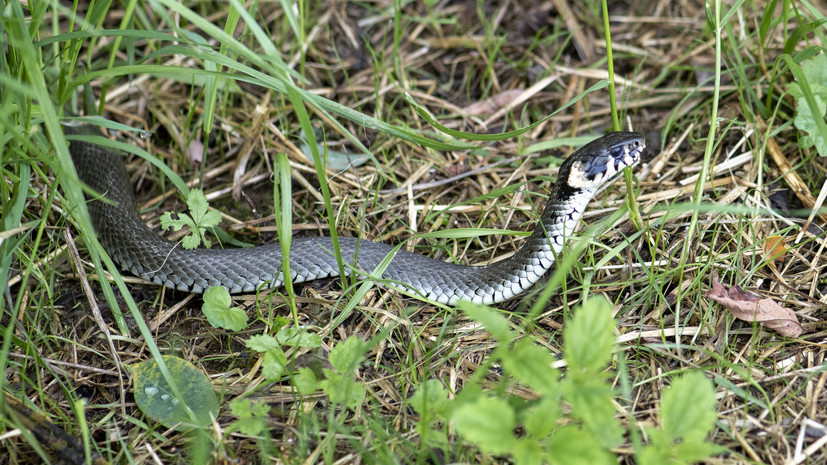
538 254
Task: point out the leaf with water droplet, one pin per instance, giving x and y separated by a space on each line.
197 405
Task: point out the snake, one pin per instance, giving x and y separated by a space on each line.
141 251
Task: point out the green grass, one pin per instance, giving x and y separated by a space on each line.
391 79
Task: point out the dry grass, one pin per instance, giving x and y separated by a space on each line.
452 55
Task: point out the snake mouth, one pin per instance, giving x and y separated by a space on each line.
631 154
601 160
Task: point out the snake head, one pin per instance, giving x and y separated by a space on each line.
600 160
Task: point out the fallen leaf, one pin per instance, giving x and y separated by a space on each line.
775 248
750 307
492 104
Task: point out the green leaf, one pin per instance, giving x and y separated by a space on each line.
201 219
191 241
305 381
274 361
219 312
252 417
541 419
589 340
688 408
591 403
810 92
571 445
167 221
298 337
342 389
806 121
527 452
262 343
816 71
488 422
155 398
431 402
431 398
531 365
243 408
589 337
495 323
687 416
199 208
662 450
346 356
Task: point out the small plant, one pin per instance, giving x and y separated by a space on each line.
252 416
814 86
202 219
274 360
538 431
339 384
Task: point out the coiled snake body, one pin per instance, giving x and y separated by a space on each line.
138 249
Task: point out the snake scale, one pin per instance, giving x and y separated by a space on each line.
136 248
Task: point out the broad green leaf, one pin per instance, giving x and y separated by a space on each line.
274 361
662 449
252 417
202 216
199 209
591 403
305 381
540 419
531 365
346 356
571 445
430 398
589 337
528 452
155 398
488 422
688 408
219 310
816 71
806 121
191 241
810 90
273 364
343 390
247 408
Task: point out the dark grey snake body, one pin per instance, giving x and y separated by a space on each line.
138 249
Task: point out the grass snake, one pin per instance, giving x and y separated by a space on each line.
136 248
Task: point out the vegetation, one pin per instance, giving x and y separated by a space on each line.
436 126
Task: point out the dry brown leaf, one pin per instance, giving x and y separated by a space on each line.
747 306
775 248
494 103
